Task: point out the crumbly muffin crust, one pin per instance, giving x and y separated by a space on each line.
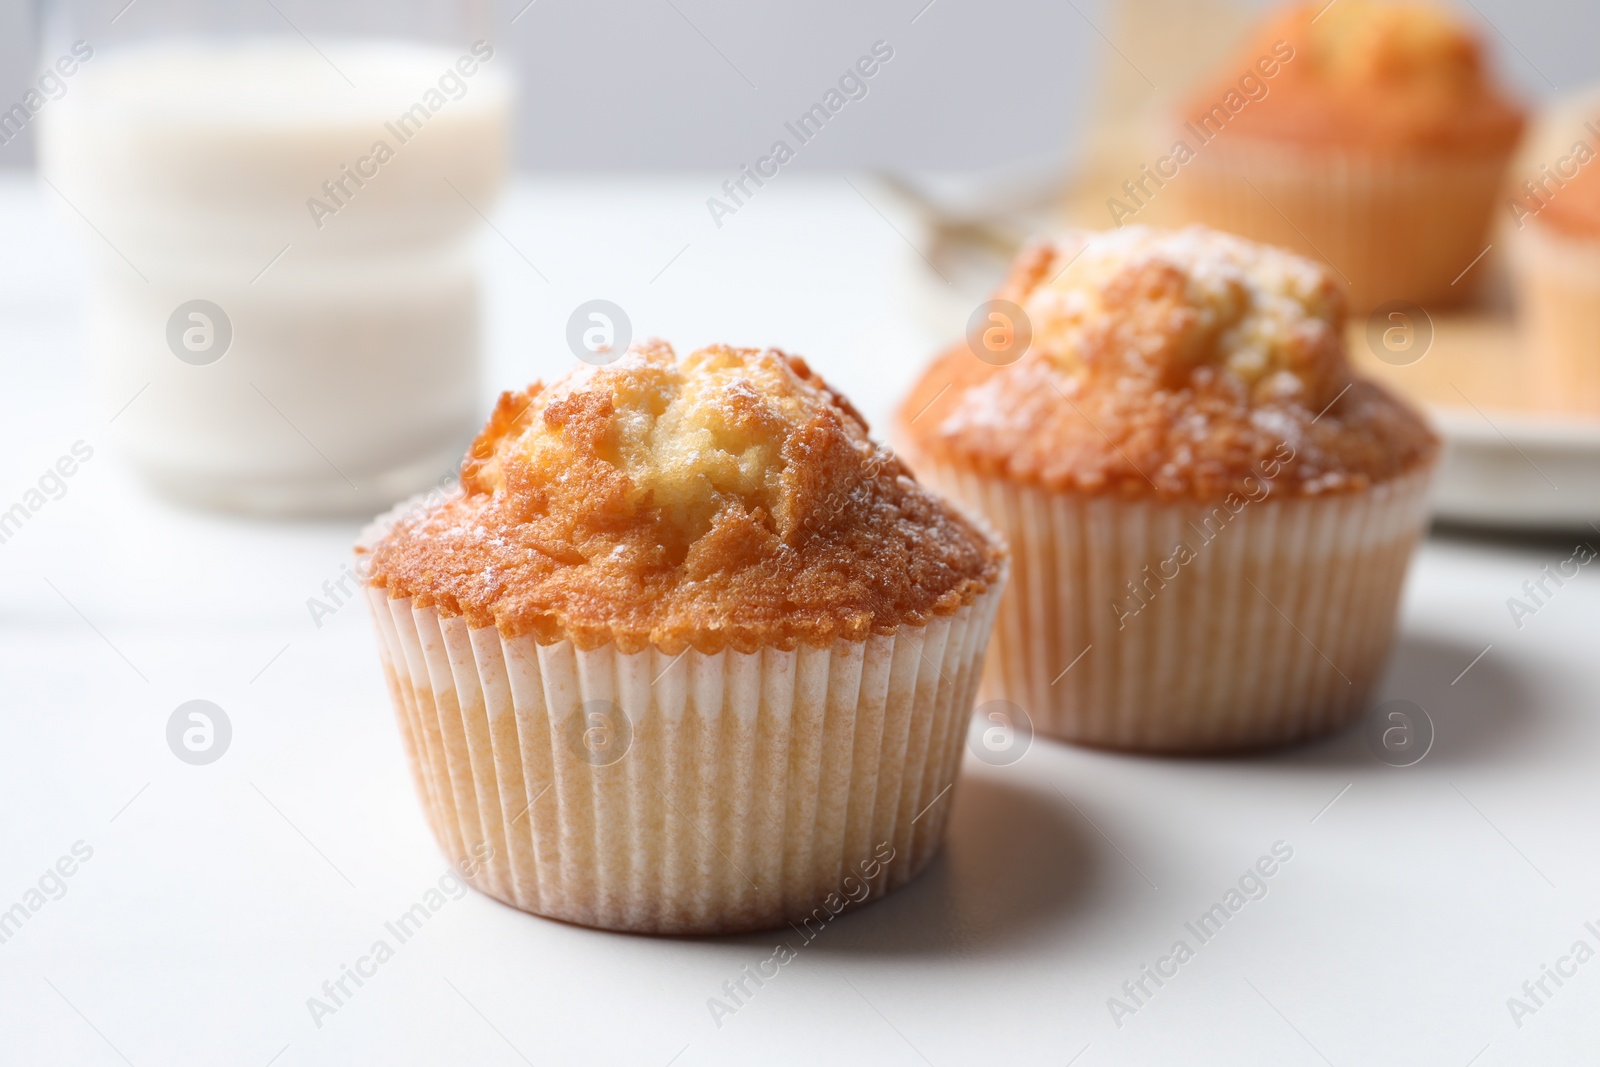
1173 364
730 499
1382 77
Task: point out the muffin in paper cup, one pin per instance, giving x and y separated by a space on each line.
1393 227
1366 134
688 653
1556 264
1210 518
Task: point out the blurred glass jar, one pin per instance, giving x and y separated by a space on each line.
280 201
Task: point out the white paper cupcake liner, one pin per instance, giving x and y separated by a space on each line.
1558 289
1275 630
1402 228
686 794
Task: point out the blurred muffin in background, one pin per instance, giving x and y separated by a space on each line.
1377 143
1556 263
1210 517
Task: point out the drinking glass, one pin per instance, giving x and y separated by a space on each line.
279 200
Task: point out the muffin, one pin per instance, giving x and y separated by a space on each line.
1210 518
1556 263
1377 143
687 653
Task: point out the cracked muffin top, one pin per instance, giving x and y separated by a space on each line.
727 499
1178 364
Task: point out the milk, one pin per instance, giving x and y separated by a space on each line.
316 207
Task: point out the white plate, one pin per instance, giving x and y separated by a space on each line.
1518 470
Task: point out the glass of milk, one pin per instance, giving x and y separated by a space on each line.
279 198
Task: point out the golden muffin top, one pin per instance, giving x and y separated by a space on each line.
1187 363
730 498
1367 75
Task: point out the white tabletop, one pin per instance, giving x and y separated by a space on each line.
218 899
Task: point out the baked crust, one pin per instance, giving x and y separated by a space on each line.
1383 78
731 499
1168 364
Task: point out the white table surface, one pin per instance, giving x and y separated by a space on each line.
219 898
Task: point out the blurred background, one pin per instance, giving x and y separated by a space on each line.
989 123
609 146
698 84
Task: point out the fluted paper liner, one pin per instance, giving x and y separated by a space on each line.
1403 228
1276 630
756 789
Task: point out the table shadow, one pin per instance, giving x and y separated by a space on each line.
1015 861
1486 714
